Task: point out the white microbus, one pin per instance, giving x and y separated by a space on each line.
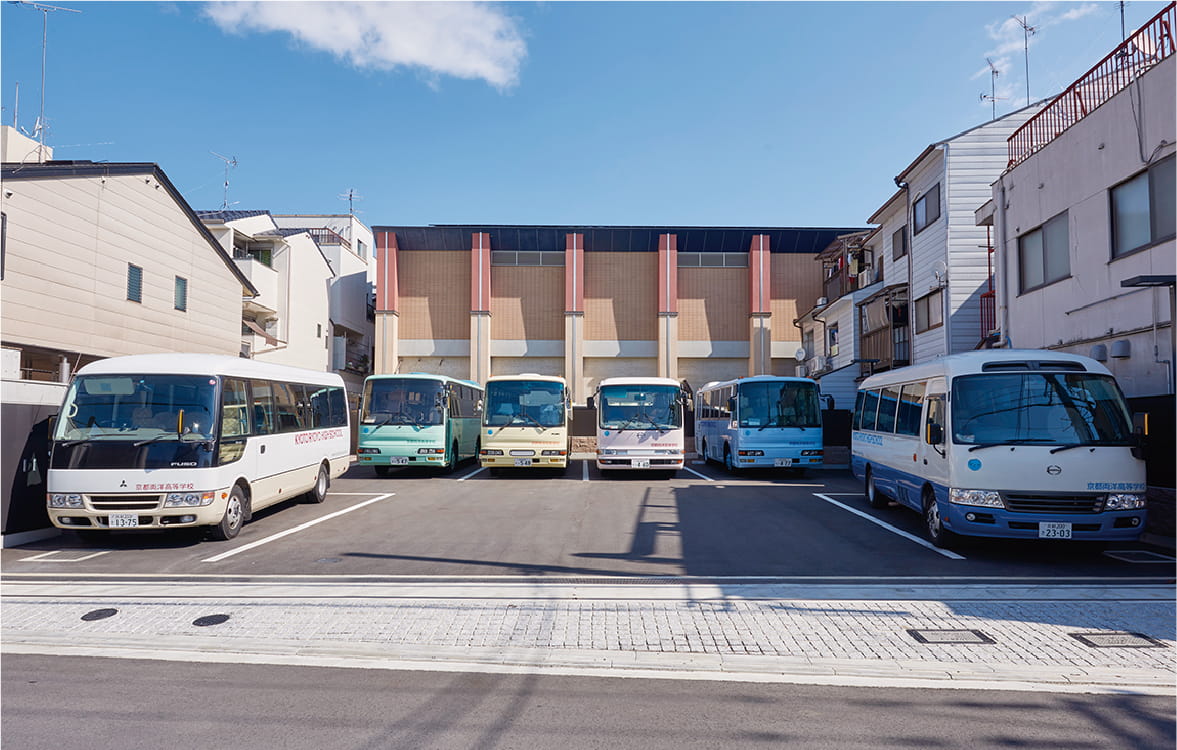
761 421
162 441
526 422
639 424
1002 443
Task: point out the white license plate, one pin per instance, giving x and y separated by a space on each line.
640 463
782 462
394 460
523 462
1054 530
123 520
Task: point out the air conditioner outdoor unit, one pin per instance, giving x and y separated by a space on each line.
802 371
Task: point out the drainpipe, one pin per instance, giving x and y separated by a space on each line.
909 237
1003 314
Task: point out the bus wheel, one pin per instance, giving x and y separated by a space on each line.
729 463
318 493
706 456
381 471
234 516
937 534
452 459
874 498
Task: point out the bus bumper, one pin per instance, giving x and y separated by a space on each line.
128 512
523 462
640 463
777 462
994 522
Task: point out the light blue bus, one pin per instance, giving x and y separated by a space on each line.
762 421
418 419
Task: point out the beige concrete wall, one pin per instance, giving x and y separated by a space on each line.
434 295
620 296
69 241
527 303
713 304
796 285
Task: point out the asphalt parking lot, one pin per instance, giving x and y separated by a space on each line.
702 522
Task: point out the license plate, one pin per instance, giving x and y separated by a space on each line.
1054 530
782 462
641 463
123 520
523 462
394 460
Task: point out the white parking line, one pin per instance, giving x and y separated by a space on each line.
44 555
480 468
889 527
701 476
584 474
296 529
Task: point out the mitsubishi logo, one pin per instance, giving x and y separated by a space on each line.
1054 470
123 483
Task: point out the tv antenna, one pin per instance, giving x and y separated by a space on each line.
230 162
39 128
992 96
350 196
1027 31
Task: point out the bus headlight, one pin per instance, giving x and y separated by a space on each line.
65 501
368 451
751 453
551 453
984 498
430 451
491 452
1124 502
811 453
188 499
608 452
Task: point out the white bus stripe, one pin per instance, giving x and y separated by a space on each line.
296 529
889 527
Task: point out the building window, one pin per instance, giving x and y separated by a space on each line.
1143 208
318 330
929 311
833 340
181 296
362 249
134 283
926 209
527 258
807 343
712 260
899 243
1044 254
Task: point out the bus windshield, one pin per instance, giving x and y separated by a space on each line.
1048 408
520 402
403 401
779 404
640 407
138 407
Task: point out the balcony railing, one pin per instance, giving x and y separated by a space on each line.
881 346
325 236
1147 47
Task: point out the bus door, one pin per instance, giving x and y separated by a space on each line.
933 443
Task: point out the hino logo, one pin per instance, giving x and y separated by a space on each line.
1054 470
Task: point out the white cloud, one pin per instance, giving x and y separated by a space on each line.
462 39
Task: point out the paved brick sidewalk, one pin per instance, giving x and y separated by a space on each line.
1025 637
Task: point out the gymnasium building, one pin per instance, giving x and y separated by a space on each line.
590 302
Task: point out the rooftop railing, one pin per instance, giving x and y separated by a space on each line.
1151 44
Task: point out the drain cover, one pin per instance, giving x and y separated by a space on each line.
99 614
204 622
1138 556
1116 640
950 636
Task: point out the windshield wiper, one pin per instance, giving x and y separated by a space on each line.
1026 441
157 438
528 417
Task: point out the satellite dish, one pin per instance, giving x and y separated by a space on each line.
940 269
801 355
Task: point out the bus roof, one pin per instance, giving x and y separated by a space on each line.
988 360
526 376
422 376
639 381
206 364
757 379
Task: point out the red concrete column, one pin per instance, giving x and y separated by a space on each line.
667 273
574 273
760 275
387 286
480 272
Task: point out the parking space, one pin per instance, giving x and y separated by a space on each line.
580 522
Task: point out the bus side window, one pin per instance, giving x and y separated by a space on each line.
934 422
235 420
263 407
857 424
870 408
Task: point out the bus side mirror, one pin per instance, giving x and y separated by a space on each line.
478 407
935 434
731 406
1139 433
590 402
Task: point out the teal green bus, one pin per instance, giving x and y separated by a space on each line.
420 420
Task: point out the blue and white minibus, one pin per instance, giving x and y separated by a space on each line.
1011 443
166 441
759 421
418 419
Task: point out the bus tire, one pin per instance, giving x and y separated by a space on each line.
934 523
874 498
381 471
451 463
234 518
729 461
318 493
706 455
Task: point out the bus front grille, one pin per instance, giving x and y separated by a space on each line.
1044 503
125 502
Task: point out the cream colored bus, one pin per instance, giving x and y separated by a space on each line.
526 423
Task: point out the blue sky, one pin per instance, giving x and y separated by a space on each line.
666 113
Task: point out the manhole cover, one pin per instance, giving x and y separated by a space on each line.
949 636
204 622
1116 640
1139 556
99 614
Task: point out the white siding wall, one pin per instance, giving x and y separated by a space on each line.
927 248
304 313
1075 173
65 286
